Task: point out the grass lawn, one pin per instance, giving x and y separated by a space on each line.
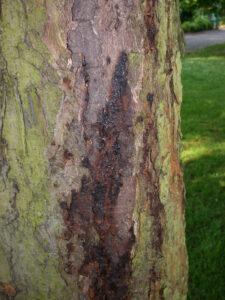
203 156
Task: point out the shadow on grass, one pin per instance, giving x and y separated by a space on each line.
205 215
211 51
203 155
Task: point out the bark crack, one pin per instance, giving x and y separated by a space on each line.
4 72
19 100
3 110
151 176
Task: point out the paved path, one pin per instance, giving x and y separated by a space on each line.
203 39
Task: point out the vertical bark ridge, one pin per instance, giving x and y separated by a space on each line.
157 188
156 208
149 175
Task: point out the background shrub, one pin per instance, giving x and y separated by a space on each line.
198 24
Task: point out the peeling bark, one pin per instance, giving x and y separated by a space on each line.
91 186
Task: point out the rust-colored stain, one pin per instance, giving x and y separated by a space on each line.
7 289
67 84
150 24
106 263
67 155
38 3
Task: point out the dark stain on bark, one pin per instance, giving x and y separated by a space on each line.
139 119
174 97
150 23
169 55
151 177
108 60
106 263
150 99
67 155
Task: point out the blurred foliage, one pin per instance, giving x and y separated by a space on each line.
213 5
192 8
222 20
197 24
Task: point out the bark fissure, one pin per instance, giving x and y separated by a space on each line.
151 177
150 20
3 110
3 76
23 129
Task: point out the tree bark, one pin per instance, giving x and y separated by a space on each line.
91 185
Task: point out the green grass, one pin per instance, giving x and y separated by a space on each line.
203 156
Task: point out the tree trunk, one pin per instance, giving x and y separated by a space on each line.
91 186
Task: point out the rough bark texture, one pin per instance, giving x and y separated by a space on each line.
91 186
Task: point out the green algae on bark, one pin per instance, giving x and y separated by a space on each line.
30 219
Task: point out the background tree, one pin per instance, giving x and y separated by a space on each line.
92 195
187 9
